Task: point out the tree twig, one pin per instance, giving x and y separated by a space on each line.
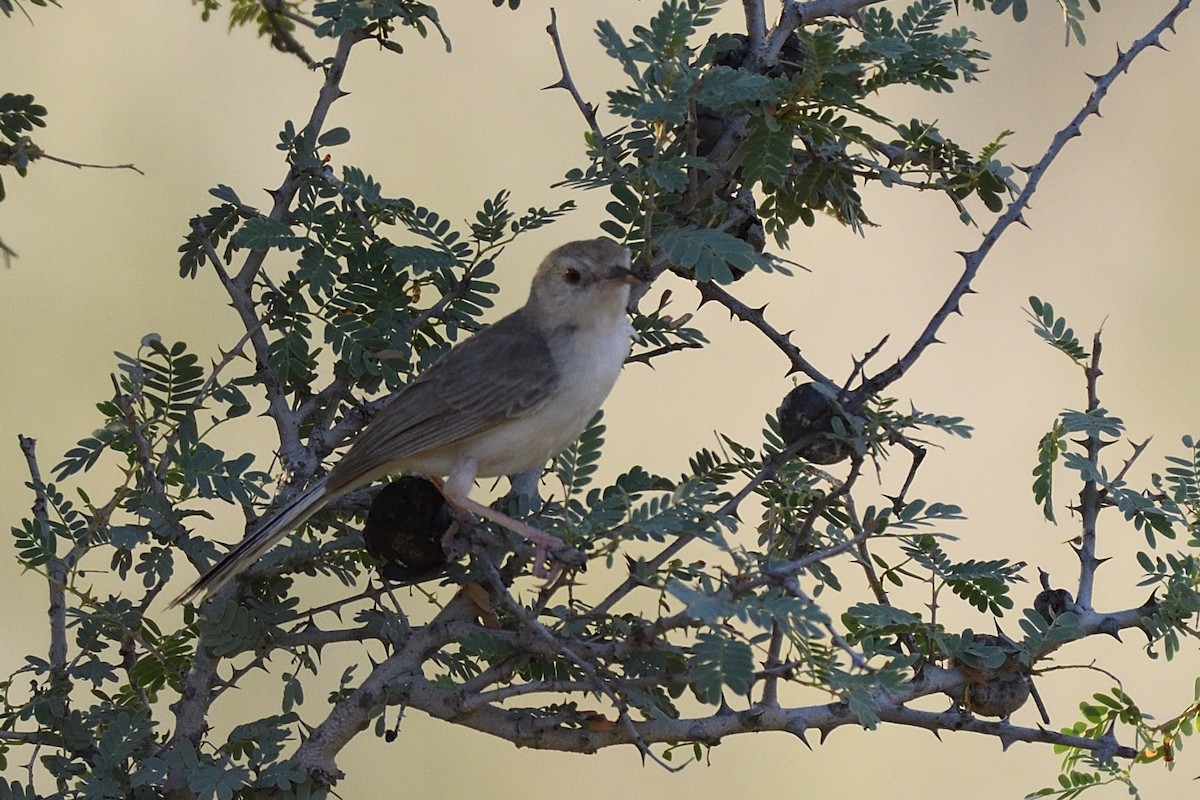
567 82
56 568
37 152
1090 494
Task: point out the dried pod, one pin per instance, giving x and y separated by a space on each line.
1050 603
405 527
807 414
995 691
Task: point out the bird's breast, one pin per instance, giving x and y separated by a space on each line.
588 363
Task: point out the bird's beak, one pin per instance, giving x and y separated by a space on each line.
625 276
636 283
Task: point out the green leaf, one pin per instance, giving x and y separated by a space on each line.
87 451
539 217
707 606
14 790
293 692
490 221
719 662
333 137
722 87
19 114
34 547
710 255
264 233
1054 330
1094 423
1020 10
984 584
768 154
421 259
576 465
262 741
1183 478
1049 449
230 628
875 619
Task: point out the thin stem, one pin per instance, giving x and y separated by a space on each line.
56 567
1090 496
567 82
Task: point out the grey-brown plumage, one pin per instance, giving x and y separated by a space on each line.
502 402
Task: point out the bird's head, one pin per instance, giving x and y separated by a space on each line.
583 283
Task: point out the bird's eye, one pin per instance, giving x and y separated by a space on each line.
572 275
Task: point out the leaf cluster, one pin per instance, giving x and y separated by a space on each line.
714 137
8 6
378 19
19 114
1072 11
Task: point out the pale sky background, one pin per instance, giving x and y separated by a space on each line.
1113 241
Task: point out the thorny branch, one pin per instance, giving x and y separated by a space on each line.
191 710
399 679
1016 210
400 682
56 568
1089 495
567 82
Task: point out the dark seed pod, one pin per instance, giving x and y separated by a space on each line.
1052 602
806 414
405 526
996 691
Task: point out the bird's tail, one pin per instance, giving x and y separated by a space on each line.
256 544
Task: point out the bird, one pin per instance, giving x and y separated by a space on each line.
502 402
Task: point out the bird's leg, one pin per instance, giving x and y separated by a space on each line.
544 543
542 540
456 489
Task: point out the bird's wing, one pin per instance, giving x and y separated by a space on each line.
504 372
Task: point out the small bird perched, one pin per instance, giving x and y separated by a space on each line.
504 401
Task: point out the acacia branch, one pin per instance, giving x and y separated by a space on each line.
567 82
38 738
330 92
1015 212
711 292
296 458
549 733
756 24
1090 495
56 567
316 637
397 679
191 710
797 13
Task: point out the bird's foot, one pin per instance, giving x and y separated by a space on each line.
548 561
